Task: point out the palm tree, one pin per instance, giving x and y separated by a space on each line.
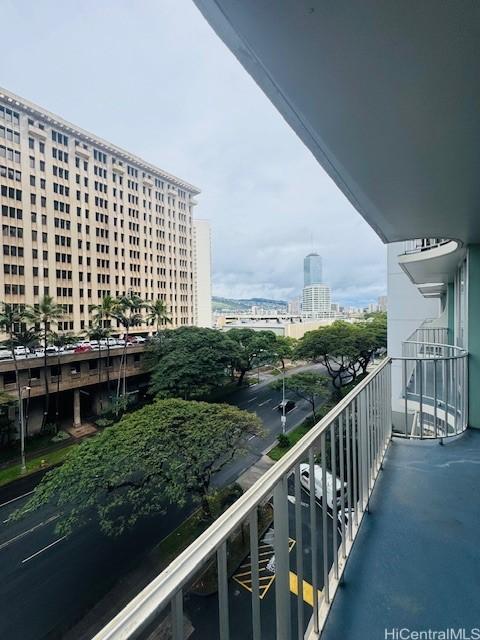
9 318
60 341
104 312
28 339
43 314
126 312
157 313
100 334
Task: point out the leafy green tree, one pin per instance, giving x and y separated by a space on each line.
127 311
312 387
368 338
334 347
188 362
43 314
102 316
284 349
163 453
254 348
157 313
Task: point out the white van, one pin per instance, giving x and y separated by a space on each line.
305 480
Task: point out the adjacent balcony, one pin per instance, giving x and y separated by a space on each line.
274 565
431 263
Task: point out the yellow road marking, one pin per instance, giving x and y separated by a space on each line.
307 589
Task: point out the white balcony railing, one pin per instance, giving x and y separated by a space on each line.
423 244
435 389
310 542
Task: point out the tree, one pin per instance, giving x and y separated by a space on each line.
100 335
254 348
188 362
28 339
368 338
10 318
307 385
334 347
126 311
60 341
102 315
157 313
283 349
159 455
43 315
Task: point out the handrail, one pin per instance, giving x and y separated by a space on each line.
160 592
436 345
430 243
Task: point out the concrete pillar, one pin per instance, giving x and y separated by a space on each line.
77 419
473 337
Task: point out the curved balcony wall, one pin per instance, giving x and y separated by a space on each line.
435 401
431 263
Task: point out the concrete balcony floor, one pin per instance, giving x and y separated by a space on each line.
416 560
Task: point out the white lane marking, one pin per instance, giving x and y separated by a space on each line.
265 402
37 553
24 533
17 498
252 399
252 437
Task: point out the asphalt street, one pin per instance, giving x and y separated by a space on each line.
49 582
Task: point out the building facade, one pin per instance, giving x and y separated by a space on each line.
202 263
317 301
82 218
312 269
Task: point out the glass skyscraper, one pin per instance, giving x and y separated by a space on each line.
312 269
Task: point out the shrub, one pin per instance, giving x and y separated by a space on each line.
283 441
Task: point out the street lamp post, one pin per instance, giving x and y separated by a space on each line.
284 417
23 466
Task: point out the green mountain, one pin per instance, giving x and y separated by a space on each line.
245 304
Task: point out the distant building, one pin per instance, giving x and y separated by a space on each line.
202 273
295 306
312 269
382 303
317 301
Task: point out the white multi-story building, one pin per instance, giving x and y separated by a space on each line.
202 270
83 218
317 301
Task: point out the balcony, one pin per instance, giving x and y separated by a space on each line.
396 575
431 263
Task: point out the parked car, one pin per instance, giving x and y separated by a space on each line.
138 340
5 354
305 481
82 348
22 351
289 405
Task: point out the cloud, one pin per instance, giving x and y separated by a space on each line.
153 77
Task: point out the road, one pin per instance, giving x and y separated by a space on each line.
49 582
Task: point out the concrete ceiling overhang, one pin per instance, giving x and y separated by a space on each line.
385 94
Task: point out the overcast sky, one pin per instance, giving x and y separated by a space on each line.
152 77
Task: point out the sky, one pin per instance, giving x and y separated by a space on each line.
152 77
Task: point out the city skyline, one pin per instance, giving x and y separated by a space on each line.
251 167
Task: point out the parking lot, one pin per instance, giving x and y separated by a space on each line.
202 611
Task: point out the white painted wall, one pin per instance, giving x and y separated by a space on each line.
407 309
